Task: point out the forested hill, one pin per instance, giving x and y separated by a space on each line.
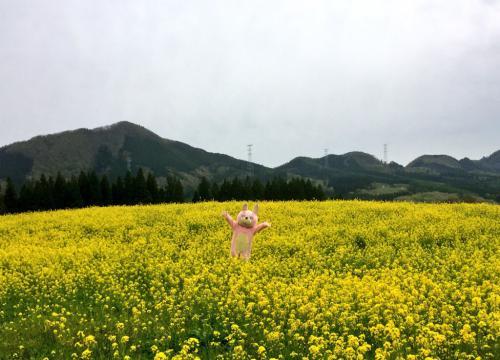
114 149
427 178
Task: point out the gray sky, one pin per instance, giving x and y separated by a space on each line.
291 77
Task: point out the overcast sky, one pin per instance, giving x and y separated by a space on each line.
290 77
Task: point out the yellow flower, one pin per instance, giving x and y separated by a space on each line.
160 356
89 340
86 354
273 336
467 334
314 349
334 279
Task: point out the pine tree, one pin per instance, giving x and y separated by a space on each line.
152 187
72 196
196 197
224 191
106 197
128 189
282 189
95 197
118 192
2 206
43 194
214 191
174 191
204 189
83 184
10 197
50 183
257 189
295 189
59 192
142 195
168 190
247 190
27 198
236 189
162 194
319 193
275 189
178 193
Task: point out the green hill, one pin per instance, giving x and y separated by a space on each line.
491 162
114 149
360 175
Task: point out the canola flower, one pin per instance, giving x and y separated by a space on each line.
330 280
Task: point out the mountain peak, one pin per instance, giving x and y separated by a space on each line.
126 128
122 124
491 162
435 160
495 156
362 158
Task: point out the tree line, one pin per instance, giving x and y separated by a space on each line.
88 189
253 189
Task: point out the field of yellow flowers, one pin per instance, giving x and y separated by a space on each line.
335 279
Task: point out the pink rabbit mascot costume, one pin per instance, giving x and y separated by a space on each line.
244 228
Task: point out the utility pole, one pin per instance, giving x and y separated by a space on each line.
385 153
326 157
250 164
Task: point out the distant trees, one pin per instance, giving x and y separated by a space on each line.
254 189
10 197
203 192
173 191
88 189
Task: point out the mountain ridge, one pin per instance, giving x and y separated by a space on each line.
114 149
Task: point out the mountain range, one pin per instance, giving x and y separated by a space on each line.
114 149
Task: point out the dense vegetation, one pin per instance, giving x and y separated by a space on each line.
253 189
354 175
90 190
333 279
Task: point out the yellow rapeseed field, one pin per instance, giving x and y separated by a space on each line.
328 280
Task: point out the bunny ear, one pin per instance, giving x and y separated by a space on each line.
256 209
245 206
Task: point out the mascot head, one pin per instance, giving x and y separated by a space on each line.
247 218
